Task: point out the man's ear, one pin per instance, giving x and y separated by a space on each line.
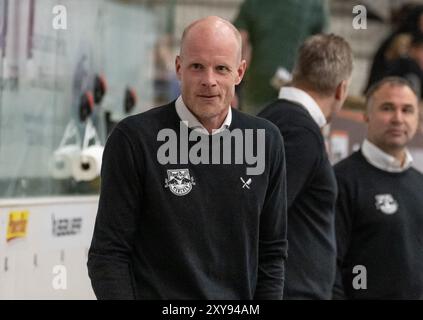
241 71
367 110
341 90
178 66
366 116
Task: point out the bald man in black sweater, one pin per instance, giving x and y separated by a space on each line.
183 215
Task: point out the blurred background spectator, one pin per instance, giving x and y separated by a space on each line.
410 65
406 20
271 32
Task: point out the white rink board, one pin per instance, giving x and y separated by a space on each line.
27 263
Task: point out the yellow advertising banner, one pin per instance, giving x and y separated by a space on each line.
17 226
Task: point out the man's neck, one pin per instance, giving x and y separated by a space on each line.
213 123
323 102
397 153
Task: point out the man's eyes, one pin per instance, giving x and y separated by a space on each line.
196 66
408 110
389 108
222 68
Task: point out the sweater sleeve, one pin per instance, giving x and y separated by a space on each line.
273 234
109 259
343 225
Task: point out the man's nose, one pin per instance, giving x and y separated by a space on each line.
398 116
209 78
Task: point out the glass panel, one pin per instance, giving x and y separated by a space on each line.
46 72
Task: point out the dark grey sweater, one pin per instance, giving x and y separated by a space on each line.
379 225
217 239
311 189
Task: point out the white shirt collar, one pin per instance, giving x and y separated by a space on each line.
303 98
382 160
186 115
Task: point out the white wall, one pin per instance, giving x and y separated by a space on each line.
27 262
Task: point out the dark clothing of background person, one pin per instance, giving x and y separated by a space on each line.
275 31
379 221
409 69
311 189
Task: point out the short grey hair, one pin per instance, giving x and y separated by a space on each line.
323 62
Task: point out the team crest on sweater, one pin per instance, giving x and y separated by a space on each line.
386 203
179 181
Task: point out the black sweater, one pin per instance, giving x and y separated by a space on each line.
221 240
311 189
379 225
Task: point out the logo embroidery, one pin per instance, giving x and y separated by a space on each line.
386 203
179 181
246 184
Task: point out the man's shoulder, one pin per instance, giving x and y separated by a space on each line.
293 121
287 112
417 173
153 114
350 164
243 120
155 117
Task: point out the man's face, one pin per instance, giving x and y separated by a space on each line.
209 69
392 117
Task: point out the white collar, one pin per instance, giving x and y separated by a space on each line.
303 98
382 160
186 115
